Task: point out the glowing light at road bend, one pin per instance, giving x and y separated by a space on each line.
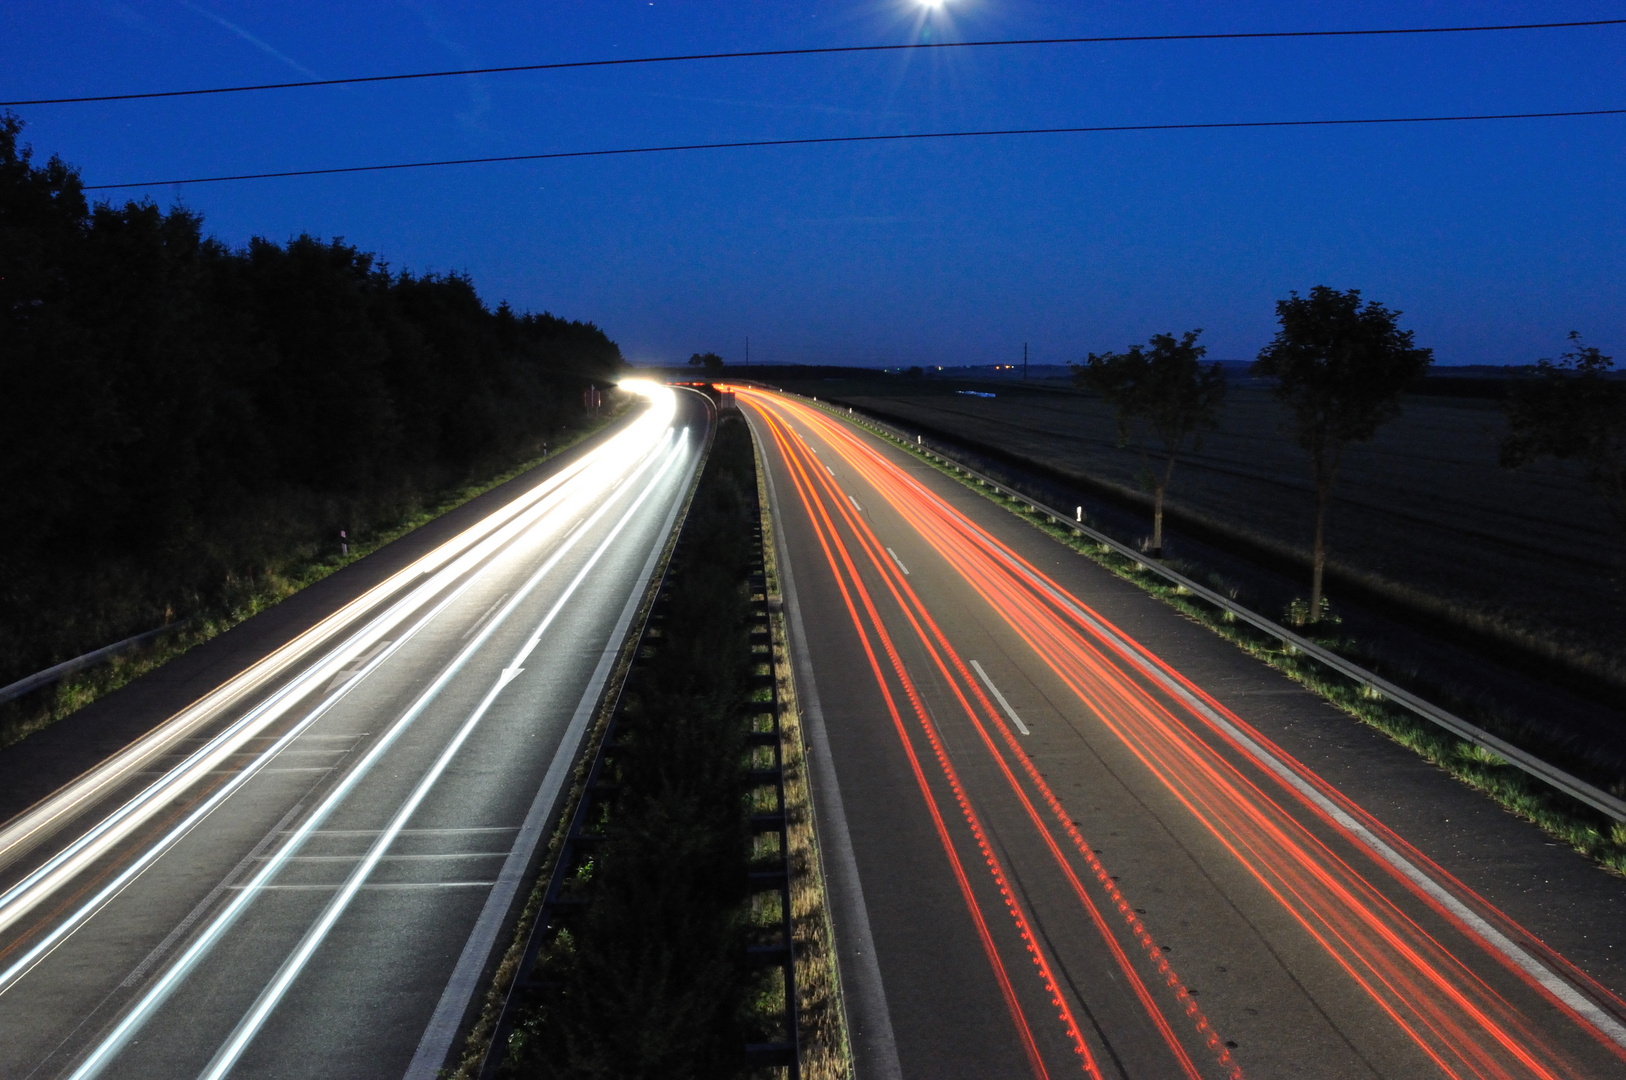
1433 997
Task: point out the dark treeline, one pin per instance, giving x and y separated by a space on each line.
652 979
179 418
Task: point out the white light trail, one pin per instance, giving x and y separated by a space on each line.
29 828
176 974
549 504
250 1025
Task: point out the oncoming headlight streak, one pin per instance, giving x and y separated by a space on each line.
552 506
1461 1023
107 1050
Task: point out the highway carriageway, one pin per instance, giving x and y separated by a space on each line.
1069 832
308 871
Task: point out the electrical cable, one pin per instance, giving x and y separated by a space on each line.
830 50
828 140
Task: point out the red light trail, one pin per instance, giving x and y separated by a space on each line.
1465 1025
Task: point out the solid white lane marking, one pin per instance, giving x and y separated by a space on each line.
25 964
1561 990
1003 704
897 560
56 871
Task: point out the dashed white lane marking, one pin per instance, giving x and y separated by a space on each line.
1003 704
481 621
897 560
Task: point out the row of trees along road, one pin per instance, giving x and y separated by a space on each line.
182 420
1340 367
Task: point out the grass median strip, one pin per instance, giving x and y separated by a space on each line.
1584 829
645 956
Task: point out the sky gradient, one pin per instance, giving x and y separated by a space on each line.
1495 239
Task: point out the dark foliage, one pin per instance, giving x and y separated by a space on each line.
710 362
1340 367
1164 392
179 417
652 980
1573 409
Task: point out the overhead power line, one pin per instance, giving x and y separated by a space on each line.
683 58
830 140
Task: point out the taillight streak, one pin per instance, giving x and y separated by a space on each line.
1133 716
1448 1011
830 542
937 647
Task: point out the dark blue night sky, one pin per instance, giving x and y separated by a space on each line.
1495 239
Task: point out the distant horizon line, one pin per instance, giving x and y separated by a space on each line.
894 365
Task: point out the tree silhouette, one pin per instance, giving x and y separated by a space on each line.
711 362
1164 392
180 419
1573 410
1340 368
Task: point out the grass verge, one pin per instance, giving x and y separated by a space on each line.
1584 829
647 975
644 968
40 709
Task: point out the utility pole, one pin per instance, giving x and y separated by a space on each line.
1024 361
747 350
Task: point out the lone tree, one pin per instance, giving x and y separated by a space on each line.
710 361
1572 409
1340 367
1163 392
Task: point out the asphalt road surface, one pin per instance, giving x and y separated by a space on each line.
306 873
1069 832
